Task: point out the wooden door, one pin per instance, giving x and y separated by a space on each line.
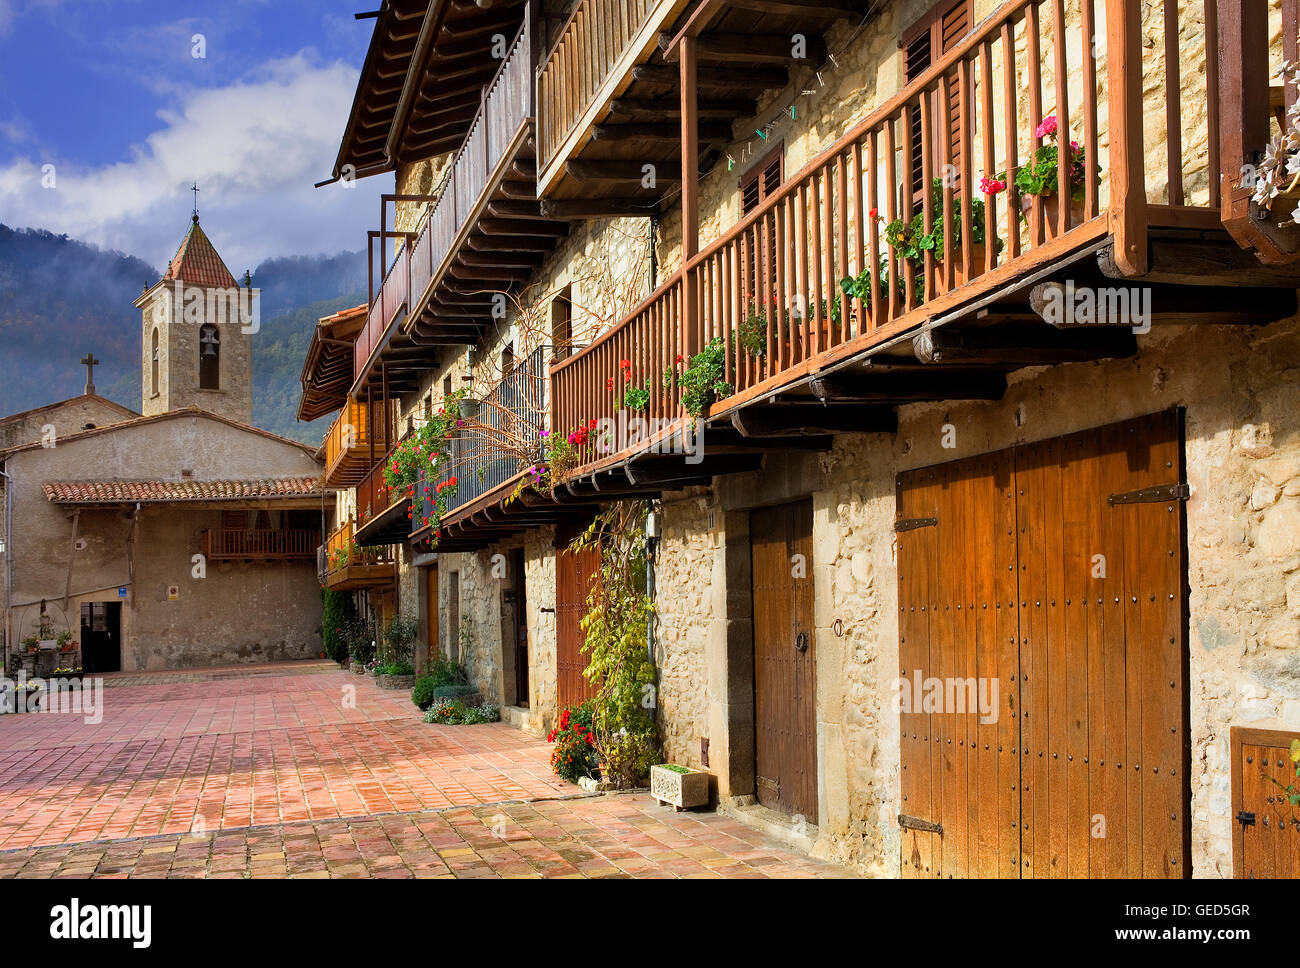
574 574
785 659
1265 826
1056 570
520 628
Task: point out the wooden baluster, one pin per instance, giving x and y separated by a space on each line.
927 202
986 141
842 266
1035 81
1173 104
946 168
1087 28
1063 157
1011 135
861 216
892 191
1211 8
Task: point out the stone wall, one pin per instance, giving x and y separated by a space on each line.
1240 386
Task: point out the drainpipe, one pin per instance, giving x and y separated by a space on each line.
9 562
651 547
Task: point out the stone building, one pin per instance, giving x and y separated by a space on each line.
990 570
142 535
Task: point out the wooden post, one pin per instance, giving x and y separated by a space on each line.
1244 127
1128 193
690 194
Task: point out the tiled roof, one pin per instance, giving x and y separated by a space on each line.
197 262
121 492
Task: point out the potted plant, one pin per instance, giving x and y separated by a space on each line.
31 643
1040 178
1277 177
681 786
65 641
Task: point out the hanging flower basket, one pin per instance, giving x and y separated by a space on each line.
468 407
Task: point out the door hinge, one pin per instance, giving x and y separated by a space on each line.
1152 495
911 524
916 823
1246 818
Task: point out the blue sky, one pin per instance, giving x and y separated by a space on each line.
112 95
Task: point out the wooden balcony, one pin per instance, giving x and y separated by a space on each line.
482 237
381 510
609 92
349 566
805 358
347 446
490 459
282 544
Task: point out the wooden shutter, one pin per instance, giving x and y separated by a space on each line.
575 573
761 180
928 39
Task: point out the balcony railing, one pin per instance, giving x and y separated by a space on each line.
260 544
600 42
347 446
496 446
770 287
343 564
507 104
373 493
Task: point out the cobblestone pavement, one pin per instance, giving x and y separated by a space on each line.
307 771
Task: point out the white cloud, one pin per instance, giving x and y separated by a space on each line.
6 16
255 148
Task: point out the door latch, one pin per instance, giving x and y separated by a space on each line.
1246 818
801 642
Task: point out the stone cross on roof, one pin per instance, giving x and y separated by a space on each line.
89 362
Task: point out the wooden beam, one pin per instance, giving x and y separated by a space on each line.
1136 304
1022 346
800 8
1202 263
760 49
669 172
649 110
760 78
680 473
500 260
715 132
580 208
896 387
506 208
812 418
524 227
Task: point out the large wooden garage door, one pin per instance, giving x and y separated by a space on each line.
1054 569
574 574
785 660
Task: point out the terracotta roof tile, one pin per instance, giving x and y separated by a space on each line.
197 262
120 492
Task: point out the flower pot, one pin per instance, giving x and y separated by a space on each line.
978 253
1051 212
395 682
682 790
468 408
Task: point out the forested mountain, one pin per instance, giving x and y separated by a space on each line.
60 298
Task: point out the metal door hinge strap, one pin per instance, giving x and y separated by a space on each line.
916 823
1152 495
1246 819
911 524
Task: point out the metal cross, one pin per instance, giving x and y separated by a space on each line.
89 362
195 189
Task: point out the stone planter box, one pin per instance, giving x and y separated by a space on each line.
357 668
395 682
682 790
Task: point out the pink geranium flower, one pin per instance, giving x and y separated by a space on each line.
1047 127
991 186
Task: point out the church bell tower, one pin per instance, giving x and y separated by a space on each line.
197 324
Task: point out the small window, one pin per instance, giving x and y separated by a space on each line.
507 361
209 358
153 357
562 324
